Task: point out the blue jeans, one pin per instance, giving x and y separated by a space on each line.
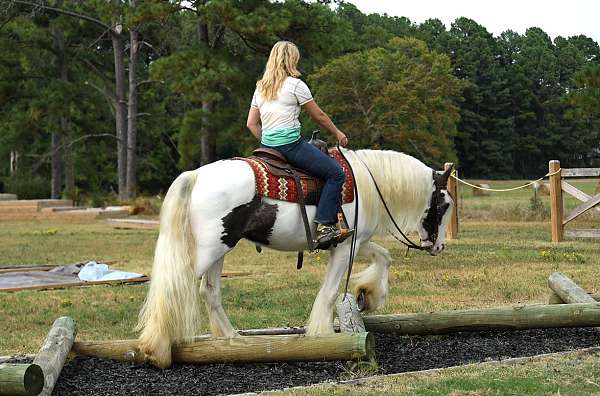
305 156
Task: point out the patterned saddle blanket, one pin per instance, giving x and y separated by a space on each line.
273 181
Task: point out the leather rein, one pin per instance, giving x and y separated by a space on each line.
409 244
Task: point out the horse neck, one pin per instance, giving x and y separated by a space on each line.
405 184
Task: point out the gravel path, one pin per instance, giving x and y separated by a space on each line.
395 354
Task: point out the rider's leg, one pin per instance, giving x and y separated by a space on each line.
306 156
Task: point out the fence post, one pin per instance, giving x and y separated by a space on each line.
452 228
556 201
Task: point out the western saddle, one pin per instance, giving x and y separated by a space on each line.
277 165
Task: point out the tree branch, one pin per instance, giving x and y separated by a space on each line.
67 12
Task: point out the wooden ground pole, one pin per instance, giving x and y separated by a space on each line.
567 290
246 349
504 318
53 354
20 379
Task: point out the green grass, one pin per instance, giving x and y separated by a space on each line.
490 264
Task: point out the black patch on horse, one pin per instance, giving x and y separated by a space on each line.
253 221
438 206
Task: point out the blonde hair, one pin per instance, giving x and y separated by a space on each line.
281 64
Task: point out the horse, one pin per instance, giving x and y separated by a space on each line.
207 211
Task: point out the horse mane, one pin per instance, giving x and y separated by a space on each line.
405 183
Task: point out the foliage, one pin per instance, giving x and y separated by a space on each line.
503 106
401 96
27 186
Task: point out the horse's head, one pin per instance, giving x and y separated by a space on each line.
432 226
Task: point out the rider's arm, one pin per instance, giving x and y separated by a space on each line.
253 122
315 112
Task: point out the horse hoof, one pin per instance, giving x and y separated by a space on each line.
361 301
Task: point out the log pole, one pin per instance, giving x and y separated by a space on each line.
567 290
251 349
53 354
554 298
20 379
504 318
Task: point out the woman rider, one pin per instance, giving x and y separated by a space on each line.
273 119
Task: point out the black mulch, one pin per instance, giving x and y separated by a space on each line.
90 376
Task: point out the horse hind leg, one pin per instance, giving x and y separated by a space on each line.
371 285
210 290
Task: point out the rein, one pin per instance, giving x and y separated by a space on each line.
353 241
410 244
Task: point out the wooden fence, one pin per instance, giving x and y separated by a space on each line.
557 186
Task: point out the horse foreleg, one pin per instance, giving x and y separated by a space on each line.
210 290
372 282
321 316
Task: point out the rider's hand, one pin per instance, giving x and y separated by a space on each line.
342 139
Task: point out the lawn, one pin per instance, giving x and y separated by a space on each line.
497 260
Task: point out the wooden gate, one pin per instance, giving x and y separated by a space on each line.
557 186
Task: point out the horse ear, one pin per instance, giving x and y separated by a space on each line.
442 178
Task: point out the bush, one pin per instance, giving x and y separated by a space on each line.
27 186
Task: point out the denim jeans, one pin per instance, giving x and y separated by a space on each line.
305 156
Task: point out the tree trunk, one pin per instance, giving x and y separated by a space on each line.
57 135
57 166
208 141
120 113
132 113
68 160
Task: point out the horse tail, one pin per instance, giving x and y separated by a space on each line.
171 311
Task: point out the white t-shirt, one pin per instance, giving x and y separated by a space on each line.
283 112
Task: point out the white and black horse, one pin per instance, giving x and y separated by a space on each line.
206 212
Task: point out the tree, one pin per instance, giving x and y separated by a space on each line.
402 97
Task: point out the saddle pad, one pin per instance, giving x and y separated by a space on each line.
284 188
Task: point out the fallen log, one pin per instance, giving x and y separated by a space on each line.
53 354
20 379
554 298
251 349
567 290
504 318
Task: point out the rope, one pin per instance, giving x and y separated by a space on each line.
453 174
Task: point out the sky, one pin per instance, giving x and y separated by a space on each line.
556 17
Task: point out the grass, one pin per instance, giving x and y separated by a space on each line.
497 260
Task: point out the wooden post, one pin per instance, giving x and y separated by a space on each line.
20 379
504 318
567 290
53 354
349 318
452 228
556 202
251 349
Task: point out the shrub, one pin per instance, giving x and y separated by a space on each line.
27 186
